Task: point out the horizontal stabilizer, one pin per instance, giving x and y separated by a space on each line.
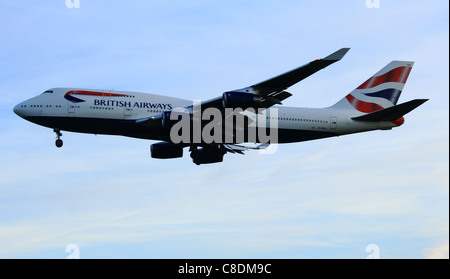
391 113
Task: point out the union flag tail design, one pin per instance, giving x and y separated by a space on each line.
380 91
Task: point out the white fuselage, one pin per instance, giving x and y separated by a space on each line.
115 112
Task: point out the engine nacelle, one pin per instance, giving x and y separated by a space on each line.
176 116
207 155
166 150
240 100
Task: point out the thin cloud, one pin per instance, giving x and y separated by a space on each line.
438 252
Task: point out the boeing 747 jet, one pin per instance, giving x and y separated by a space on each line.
229 122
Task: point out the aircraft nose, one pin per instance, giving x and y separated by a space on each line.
18 109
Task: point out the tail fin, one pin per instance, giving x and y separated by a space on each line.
380 91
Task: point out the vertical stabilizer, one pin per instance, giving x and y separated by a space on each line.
380 91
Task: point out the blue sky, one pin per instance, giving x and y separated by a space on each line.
323 199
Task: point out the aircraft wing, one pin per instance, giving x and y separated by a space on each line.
283 81
269 92
272 91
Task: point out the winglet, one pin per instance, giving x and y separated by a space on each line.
336 56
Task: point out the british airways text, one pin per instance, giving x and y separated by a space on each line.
129 104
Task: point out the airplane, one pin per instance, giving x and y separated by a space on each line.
371 106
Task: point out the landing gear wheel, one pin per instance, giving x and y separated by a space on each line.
59 143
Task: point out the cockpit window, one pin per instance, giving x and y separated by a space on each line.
48 91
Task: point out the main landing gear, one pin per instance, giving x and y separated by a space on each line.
58 141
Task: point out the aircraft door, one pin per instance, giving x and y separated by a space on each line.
333 123
71 108
127 111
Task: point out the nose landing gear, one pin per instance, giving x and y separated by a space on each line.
58 141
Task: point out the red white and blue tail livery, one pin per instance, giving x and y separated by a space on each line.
381 91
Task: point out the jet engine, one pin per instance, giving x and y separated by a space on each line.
240 100
169 118
207 155
166 150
